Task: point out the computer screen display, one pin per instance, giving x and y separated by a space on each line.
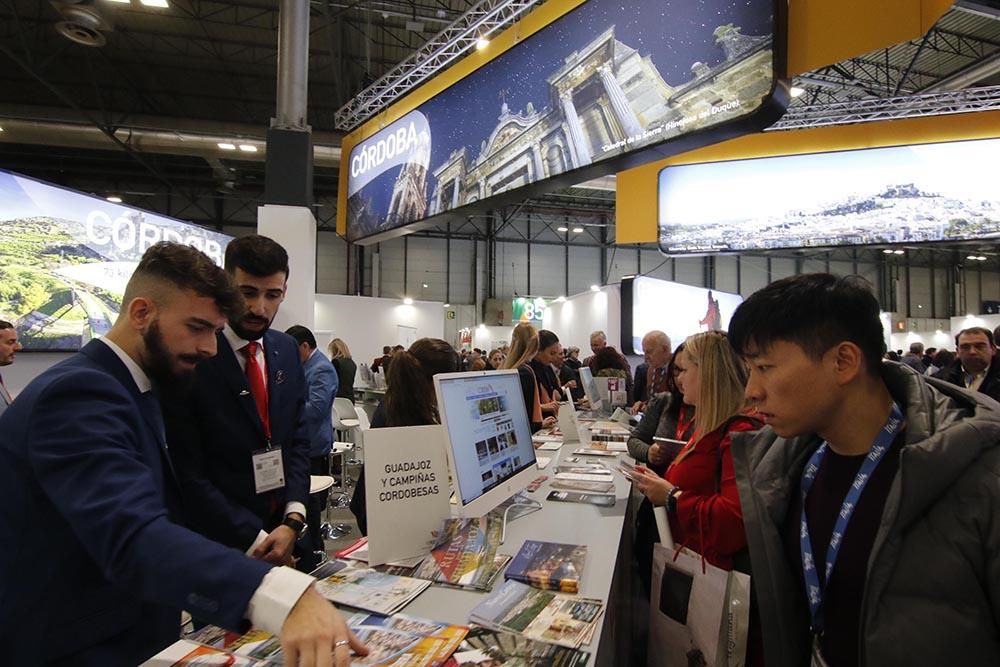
589 386
488 429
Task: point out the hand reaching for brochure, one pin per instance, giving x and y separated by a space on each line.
277 546
549 422
315 635
651 485
657 456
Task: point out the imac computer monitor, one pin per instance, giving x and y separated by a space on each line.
590 387
489 437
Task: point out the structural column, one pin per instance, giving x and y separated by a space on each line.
627 118
287 215
579 140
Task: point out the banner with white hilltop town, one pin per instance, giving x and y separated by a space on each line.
65 258
604 80
876 196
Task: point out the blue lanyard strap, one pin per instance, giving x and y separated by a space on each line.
815 592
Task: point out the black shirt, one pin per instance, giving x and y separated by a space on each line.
842 598
545 375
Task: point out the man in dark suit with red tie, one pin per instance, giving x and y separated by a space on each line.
242 450
95 566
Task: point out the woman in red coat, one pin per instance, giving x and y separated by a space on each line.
699 487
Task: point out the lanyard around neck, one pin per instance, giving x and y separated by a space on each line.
814 591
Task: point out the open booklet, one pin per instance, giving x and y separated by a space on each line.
465 554
544 616
391 640
365 588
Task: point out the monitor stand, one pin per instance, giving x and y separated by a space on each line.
525 504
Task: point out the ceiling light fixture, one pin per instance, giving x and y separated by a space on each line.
482 43
248 148
226 146
561 299
562 229
114 199
408 301
577 230
447 305
162 4
888 251
796 91
424 285
595 288
898 252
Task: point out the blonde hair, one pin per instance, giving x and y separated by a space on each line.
338 349
723 378
523 345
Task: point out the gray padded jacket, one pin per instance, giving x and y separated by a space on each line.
933 591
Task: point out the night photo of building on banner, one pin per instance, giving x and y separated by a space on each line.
65 258
601 81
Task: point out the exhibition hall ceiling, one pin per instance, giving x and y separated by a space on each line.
172 83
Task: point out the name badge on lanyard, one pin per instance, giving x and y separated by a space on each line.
814 591
268 470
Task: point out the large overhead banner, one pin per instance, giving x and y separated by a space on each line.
876 196
587 94
65 258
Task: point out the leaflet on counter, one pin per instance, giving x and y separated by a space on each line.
365 588
545 616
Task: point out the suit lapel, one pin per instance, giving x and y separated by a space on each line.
148 403
236 378
276 375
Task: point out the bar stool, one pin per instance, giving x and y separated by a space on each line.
345 417
318 484
339 450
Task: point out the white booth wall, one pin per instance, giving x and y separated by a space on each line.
368 323
574 319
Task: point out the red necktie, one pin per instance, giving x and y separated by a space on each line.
255 377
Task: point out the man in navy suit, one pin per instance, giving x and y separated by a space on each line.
245 418
322 384
94 568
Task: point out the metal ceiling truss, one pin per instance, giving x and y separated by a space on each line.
913 106
884 73
440 51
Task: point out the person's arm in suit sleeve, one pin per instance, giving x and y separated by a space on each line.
86 453
208 509
322 384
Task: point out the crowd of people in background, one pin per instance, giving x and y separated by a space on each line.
764 445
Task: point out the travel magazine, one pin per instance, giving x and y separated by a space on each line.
365 588
464 553
391 640
544 616
487 648
548 565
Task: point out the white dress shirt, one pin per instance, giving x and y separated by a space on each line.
282 587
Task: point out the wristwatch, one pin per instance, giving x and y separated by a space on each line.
298 526
672 499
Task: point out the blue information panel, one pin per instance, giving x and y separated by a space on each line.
604 87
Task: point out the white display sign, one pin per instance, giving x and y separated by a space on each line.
406 490
569 424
